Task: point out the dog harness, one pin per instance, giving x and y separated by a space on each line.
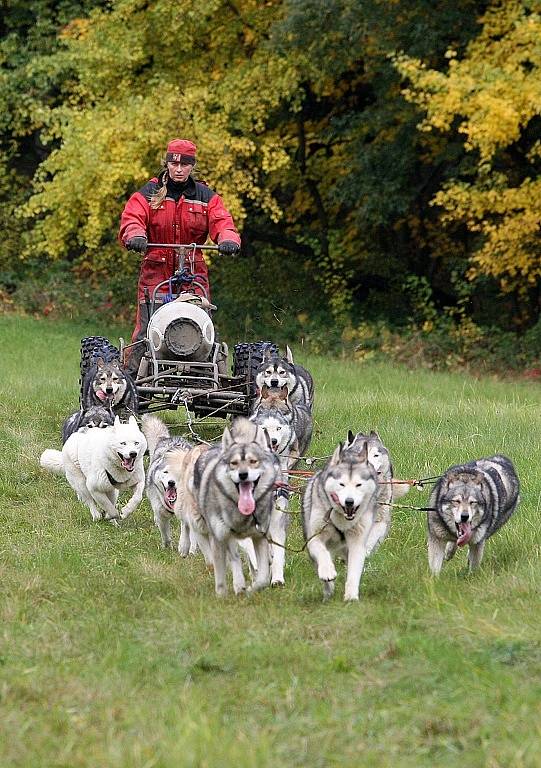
114 483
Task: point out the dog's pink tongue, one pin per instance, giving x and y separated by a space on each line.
246 502
465 534
101 395
171 496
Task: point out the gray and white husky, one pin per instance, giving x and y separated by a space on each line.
389 489
289 427
299 416
95 416
276 372
164 480
98 463
107 384
233 486
339 510
471 502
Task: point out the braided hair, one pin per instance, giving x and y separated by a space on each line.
158 197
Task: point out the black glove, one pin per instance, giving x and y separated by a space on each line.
228 247
138 244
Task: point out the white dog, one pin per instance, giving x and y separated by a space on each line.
99 463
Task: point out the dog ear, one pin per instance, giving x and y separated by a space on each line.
132 421
117 422
262 438
267 354
363 453
373 433
335 458
289 355
264 392
227 439
284 392
350 438
100 362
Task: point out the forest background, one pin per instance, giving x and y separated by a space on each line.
380 157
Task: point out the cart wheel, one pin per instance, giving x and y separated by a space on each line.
93 347
247 357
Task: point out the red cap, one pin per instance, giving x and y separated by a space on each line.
181 150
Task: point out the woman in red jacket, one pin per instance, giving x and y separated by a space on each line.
173 208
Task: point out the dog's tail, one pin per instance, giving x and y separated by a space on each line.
51 460
154 430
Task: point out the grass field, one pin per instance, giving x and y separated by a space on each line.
115 653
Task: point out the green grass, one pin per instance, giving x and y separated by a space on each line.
115 653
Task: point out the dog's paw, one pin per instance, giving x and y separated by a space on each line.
125 512
351 597
96 516
183 548
278 583
326 572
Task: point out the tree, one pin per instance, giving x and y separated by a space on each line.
490 98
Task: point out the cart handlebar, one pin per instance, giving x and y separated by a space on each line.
183 245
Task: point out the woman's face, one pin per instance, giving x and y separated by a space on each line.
179 171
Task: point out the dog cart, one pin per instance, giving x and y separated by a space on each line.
183 363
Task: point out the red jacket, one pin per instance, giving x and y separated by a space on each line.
198 213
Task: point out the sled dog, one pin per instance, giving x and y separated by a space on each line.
233 487
278 402
95 416
277 372
339 509
164 479
289 428
98 463
389 489
107 384
470 502
194 529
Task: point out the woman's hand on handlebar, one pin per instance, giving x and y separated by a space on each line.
138 244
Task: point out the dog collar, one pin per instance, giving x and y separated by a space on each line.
114 483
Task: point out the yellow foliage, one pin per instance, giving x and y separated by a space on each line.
493 91
113 130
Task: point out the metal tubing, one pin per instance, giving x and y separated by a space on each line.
191 392
183 245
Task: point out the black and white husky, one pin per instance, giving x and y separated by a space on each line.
95 416
338 512
164 479
107 384
470 502
389 489
233 486
289 427
276 372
